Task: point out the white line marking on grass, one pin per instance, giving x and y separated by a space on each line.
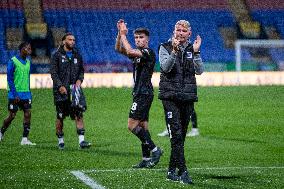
196 168
87 180
94 185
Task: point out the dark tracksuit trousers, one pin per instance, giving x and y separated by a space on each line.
177 116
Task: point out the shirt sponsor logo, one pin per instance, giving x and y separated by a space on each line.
75 61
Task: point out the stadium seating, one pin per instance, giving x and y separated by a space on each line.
269 13
94 23
9 18
97 30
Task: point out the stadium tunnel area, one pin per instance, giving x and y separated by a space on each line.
94 25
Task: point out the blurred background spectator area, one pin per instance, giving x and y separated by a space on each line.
220 23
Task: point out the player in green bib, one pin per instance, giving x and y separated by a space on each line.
19 94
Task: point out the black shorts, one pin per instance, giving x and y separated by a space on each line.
22 104
140 107
63 110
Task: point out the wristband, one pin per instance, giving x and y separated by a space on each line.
196 53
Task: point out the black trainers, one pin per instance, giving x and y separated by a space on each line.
61 146
85 144
155 157
142 164
172 176
185 178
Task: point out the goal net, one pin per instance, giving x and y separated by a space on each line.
259 55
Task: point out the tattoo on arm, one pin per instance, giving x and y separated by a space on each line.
129 50
118 46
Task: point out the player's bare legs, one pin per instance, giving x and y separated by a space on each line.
6 123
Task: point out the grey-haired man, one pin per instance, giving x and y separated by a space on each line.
179 61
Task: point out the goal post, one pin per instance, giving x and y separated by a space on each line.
254 43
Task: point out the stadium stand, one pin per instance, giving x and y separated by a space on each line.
94 24
14 36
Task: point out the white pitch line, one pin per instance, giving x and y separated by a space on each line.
87 180
196 168
94 185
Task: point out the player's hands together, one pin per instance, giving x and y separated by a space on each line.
118 24
197 43
175 44
121 25
62 90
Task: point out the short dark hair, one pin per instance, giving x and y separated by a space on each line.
65 35
142 30
23 44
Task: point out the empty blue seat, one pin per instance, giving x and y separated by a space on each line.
95 30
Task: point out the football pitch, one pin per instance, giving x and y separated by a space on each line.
241 143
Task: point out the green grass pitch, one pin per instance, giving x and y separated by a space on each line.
241 143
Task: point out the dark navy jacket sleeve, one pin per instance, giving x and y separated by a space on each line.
54 71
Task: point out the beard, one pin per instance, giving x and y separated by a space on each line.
69 47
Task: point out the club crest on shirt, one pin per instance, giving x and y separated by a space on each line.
63 58
188 55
